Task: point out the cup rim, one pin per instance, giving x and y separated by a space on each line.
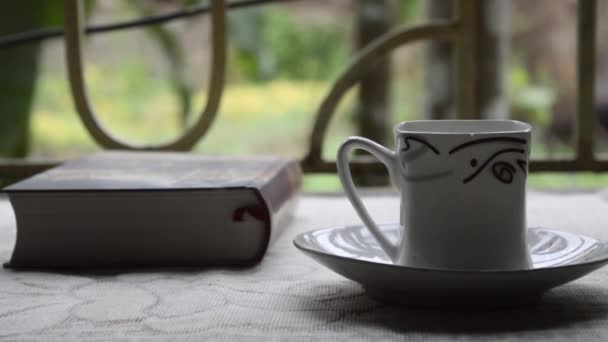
491 127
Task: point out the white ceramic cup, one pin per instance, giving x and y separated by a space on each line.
463 193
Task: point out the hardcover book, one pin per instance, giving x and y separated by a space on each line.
152 209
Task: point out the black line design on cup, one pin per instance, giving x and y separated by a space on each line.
429 177
503 171
523 165
406 141
417 153
485 140
500 171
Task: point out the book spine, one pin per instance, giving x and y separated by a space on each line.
277 199
279 196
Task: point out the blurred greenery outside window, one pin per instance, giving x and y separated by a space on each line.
282 60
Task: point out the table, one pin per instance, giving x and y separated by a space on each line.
290 297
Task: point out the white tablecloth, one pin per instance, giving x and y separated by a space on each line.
289 296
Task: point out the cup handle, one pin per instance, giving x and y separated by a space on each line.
388 158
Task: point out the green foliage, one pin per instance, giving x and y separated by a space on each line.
408 10
248 51
315 51
269 43
18 67
19 70
528 100
169 46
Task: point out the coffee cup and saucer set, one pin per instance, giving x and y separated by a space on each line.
462 238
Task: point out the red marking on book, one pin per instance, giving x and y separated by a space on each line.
257 211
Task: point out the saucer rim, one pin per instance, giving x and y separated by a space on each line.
304 249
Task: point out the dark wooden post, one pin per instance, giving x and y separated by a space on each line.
492 32
373 120
439 73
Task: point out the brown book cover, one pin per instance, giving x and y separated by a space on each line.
152 209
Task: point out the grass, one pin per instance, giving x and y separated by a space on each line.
546 181
269 118
274 117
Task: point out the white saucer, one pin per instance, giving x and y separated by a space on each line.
557 257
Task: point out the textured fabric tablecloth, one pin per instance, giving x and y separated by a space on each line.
289 296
